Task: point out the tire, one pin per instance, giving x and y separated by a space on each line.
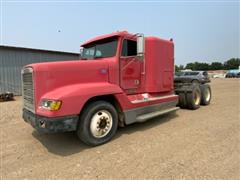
98 123
182 100
195 82
194 98
206 94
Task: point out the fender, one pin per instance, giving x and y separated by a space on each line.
74 97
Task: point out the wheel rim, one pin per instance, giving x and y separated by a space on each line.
197 98
101 123
208 94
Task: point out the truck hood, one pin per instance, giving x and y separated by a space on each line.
53 75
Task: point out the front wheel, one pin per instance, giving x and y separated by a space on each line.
98 123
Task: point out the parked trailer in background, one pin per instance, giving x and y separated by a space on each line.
121 79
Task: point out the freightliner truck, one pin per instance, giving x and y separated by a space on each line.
120 79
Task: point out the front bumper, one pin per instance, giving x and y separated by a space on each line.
50 125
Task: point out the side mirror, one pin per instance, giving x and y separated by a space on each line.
80 52
140 46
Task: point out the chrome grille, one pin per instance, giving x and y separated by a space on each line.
28 89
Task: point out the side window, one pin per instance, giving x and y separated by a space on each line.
89 53
129 48
98 53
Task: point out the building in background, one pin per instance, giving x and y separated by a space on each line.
12 59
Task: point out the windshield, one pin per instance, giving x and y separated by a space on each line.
100 49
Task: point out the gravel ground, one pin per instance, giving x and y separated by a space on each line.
201 144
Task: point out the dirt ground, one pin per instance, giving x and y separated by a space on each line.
201 144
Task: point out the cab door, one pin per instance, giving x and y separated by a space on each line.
130 67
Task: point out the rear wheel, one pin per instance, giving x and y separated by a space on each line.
194 98
206 94
195 82
98 123
182 100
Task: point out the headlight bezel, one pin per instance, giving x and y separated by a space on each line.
50 104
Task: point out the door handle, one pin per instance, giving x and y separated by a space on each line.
136 81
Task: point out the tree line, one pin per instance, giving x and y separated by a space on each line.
232 63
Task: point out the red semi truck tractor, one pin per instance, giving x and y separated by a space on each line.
120 79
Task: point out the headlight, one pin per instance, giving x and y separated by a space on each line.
52 105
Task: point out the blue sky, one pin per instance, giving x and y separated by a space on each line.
202 30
